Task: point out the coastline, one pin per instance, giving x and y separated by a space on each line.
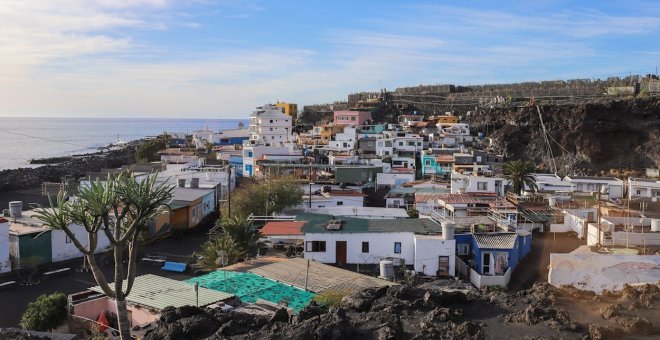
25 183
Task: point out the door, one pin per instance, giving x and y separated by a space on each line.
341 252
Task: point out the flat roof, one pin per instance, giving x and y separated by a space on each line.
159 292
317 223
361 211
322 277
188 194
592 178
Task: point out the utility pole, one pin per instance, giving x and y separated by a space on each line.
229 190
307 275
310 185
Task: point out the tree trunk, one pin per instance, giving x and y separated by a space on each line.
122 319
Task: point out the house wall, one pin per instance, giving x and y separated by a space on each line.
195 211
63 248
595 272
179 218
636 239
5 264
512 254
428 251
381 245
208 204
394 180
480 281
33 249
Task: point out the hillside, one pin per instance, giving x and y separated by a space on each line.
591 137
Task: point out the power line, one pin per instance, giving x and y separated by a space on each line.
44 138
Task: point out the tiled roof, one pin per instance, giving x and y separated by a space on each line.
283 228
444 158
345 193
496 240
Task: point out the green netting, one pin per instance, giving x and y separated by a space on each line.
250 287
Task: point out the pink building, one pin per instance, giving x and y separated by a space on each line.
355 118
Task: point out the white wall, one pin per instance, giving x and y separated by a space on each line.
480 281
63 251
427 251
392 179
381 245
5 264
596 272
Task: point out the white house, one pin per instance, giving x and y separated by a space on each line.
332 198
344 141
269 126
416 242
5 263
643 188
394 180
384 147
29 238
253 153
475 183
552 182
594 184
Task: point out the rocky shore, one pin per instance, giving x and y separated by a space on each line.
430 311
24 178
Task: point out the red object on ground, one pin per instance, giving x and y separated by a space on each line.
103 321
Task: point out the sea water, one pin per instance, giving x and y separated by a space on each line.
23 139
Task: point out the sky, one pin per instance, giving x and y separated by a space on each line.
222 58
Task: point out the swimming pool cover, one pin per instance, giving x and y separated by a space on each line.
249 287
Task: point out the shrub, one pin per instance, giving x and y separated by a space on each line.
330 298
46 313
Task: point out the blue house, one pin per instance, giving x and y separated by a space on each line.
438 165
492 254
236 162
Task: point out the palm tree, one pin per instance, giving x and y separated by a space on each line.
120 208
210 255
240 230
519 174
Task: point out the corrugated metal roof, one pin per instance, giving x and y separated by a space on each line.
159 292
496 240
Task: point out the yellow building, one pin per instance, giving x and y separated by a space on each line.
447 119
289 109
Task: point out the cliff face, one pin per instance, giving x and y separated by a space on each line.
590 137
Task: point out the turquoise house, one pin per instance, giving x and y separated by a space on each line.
438 165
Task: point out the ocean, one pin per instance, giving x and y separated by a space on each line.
23 139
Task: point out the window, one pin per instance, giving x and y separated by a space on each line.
427 162
340 203
67 239
365 247
639 192
397 247
353 118
315 246
271 120
485 264
411 143
463 249
271 129
482 185
400 143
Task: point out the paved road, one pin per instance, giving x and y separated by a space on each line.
14 301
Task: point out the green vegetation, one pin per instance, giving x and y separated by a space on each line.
330 298
413 213
46 313
263 197
520 174
238 240
148 150
120 208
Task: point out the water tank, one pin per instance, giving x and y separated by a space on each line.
182 182
448 230
15 209
194 182
655 224
386 269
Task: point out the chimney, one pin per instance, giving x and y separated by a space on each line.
448 230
